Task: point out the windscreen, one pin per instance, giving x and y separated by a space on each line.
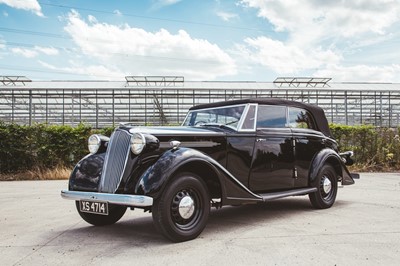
228 116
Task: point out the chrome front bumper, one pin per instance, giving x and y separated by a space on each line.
118 199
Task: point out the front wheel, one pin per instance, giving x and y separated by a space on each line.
115 212
326 184
182 211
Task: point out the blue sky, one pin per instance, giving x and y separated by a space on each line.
240 40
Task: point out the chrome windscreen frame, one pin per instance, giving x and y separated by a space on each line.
244 116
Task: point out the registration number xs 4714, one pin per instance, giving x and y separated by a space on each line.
95 207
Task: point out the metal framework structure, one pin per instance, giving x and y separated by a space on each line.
165 101
13 80
159 81
302 82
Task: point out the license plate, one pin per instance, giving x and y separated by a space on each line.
95 207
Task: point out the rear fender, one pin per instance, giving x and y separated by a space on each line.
329 156
156 177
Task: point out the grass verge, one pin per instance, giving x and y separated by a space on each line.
59 173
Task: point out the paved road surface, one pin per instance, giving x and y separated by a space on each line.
37 227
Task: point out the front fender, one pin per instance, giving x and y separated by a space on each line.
155 178
330 156
86 174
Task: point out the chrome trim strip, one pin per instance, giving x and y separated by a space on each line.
174 131
233 178
118 199
192 144
244 115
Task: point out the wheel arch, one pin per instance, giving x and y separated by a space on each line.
326 156
220 182
155 179
206 172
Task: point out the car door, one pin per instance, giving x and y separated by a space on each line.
307 140
273 156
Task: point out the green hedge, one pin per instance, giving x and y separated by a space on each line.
375 149
24 148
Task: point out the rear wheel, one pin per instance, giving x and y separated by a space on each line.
326 184
182 211
115 212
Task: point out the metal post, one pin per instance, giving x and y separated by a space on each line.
129 105
361 107
381 109
345 107
145 107
97 111
113 107
12 105
72 111
177 106
30 107
331 106
63 107
47 106
390 111
80 106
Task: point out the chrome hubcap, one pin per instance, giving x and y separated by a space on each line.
326 185
186 207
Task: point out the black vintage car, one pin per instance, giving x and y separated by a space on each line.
226 153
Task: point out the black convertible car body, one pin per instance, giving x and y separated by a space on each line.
226 153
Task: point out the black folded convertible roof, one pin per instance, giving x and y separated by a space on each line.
316 111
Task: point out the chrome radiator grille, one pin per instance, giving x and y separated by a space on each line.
115 161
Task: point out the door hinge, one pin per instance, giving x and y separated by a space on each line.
295 172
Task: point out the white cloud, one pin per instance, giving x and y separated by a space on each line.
324 35
31 5
163 3
31 53
5 14
117 12
361 73
285 58
135 51
317 19
47 50
28 53
78 68
225 16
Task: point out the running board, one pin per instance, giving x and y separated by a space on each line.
287 193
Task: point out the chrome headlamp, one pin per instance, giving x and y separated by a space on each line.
94 143
138 142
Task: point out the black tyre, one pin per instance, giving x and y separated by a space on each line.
327 185
115 212
182 211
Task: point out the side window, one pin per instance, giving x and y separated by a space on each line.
300 118
271 116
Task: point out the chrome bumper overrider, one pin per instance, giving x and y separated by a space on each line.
118 199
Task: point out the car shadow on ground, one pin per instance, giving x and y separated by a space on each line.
141 230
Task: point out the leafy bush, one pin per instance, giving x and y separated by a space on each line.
375 149
23 148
